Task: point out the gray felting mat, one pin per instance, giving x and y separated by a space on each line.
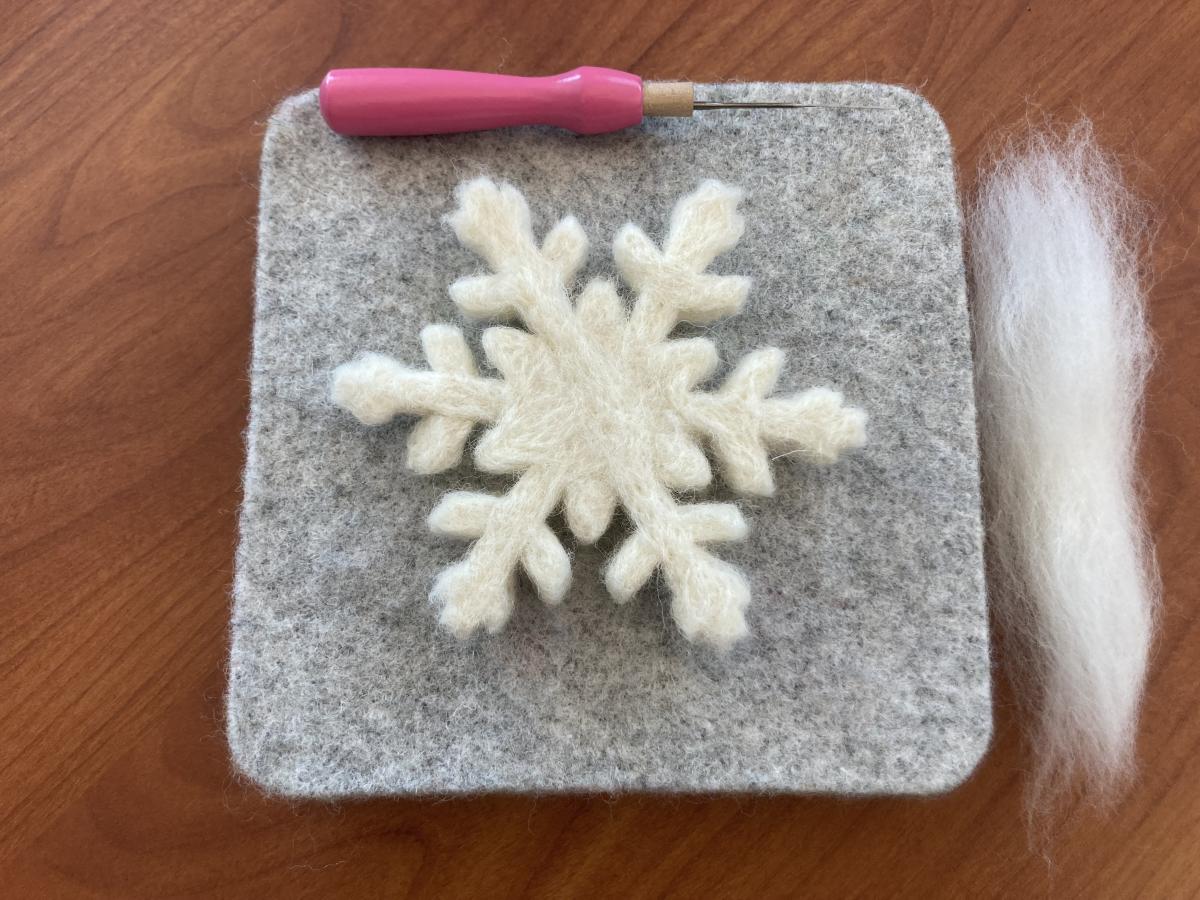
867 667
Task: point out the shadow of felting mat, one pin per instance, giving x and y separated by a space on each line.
866 670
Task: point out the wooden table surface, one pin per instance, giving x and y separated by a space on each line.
130 134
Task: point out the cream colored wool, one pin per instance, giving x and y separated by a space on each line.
596 407
1062 352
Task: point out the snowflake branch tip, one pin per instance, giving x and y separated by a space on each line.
509 531
462 514
493 220
816 423
705 224
672 283
370 388
639 556
755 375
744 423
589 505
470 601
446 350
452 397
547 565
631 567
708 523
691 294
708 599
565 248
708 595
486 296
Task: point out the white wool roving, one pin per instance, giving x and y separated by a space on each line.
596 407
1062 353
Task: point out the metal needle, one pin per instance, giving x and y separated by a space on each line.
770 104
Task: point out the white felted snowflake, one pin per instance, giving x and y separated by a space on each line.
595 408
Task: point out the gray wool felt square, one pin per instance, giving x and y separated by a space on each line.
867 667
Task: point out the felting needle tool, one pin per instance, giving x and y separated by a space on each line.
586 100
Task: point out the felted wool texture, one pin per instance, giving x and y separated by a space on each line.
867 666
596 408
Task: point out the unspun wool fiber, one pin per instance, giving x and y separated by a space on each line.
1062 354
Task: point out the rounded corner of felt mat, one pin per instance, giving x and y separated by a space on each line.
964 754
273 778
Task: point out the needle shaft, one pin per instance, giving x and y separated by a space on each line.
772 104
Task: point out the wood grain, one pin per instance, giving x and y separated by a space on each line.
130 138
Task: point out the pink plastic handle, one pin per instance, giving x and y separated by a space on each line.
587 100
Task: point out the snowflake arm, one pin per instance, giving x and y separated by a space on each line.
672 283
452 397
526 281
708 595
479 591
742 422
